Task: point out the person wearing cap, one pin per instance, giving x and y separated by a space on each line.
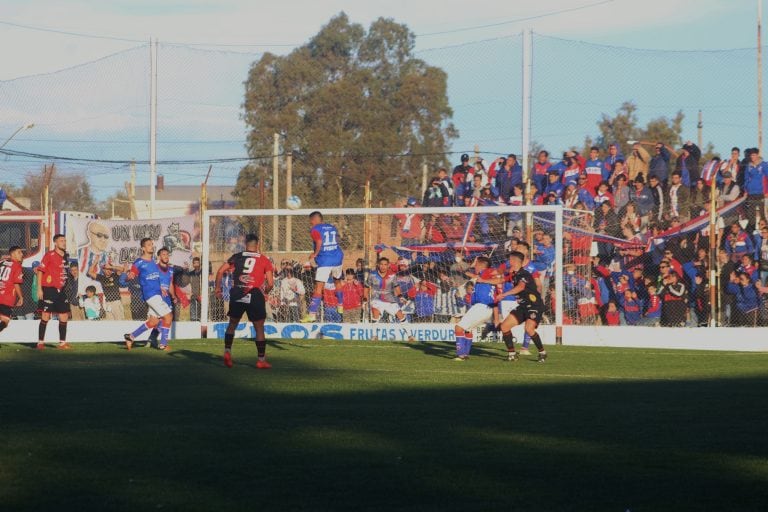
657 192
729 190
659 165
462 172
735 165
687 163
110 284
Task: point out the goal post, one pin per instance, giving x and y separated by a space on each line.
432 246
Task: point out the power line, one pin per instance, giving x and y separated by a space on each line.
516 20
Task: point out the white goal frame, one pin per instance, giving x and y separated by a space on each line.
362 212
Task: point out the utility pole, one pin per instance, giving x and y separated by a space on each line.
526 110
288 193
275 189
132 190
700 128
152 125
204 194
760 76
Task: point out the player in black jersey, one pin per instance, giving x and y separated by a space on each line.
529 310
252 278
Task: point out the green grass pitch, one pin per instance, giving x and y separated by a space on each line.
381 426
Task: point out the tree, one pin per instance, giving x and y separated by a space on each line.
67 191
623 127
351 105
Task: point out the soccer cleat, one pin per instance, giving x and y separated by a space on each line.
512 356
41 346
524 352
128 337
227 359
461 358
263 365
63 345
164 348
542 357
309 318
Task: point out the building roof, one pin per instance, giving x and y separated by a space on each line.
189 193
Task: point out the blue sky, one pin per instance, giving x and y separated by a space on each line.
98 110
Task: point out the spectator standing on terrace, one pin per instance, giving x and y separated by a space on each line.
735 166
687 163
410 225
442 174
614 155
621 192
541 169
554 186
437 194
699 197
659 203
747 298
738 243
659 165
423 296
593 169
729 190
674 298
679 199
195 275
754 176
642 197
572 170
638 162
462 172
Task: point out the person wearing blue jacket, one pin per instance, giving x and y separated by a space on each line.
659 165
754 174
748 299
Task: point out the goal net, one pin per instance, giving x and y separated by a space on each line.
429 249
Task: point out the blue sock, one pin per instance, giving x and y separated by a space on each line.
460 343
468 345
340 297
315 304
140 330
526 340
164 331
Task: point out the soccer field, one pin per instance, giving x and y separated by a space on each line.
381 426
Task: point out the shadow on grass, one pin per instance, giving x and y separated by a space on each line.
192 437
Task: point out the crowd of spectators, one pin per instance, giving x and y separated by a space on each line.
632 254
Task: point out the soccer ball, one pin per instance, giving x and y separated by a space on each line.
293 203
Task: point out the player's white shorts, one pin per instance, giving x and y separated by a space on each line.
476 315
389 307
506 307
323 273
157 306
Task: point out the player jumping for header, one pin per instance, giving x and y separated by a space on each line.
252 278
328 257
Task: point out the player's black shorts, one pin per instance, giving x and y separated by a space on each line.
251 304
527 312
54 301
6 310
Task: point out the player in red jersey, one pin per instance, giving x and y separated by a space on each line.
10 284
252 278
52 276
